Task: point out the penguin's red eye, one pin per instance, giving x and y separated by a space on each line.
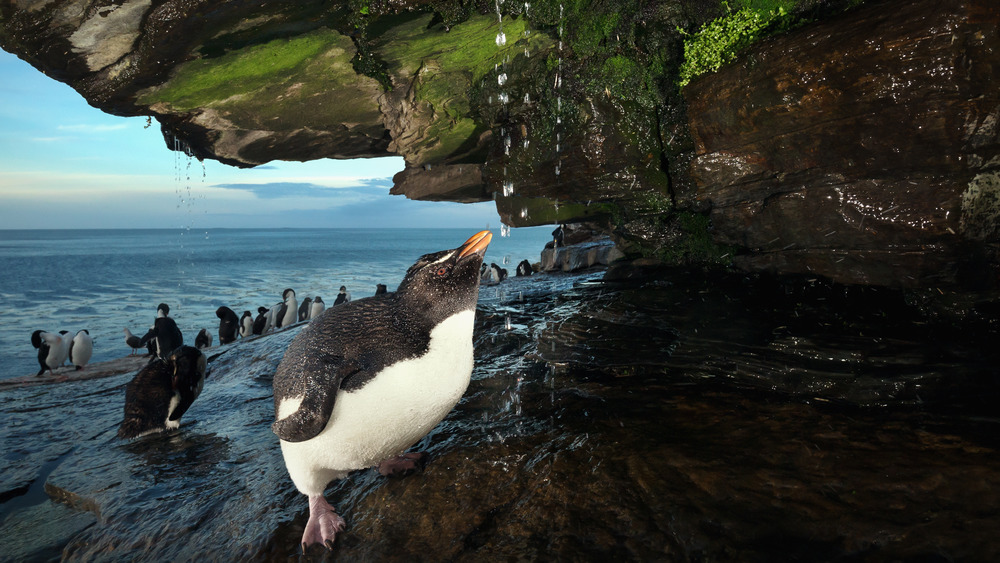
442 271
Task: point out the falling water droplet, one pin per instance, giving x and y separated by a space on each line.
502 78
501 39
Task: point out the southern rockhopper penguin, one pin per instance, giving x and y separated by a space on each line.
366 380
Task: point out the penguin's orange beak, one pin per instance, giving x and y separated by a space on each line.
476 244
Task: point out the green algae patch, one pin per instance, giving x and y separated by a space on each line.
438 68
285 83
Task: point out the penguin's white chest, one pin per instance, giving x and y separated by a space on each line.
390 413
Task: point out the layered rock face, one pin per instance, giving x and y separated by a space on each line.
865 149
861 145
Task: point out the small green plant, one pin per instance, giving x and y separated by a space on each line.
718 42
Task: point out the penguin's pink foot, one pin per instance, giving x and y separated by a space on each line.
323 525
401 466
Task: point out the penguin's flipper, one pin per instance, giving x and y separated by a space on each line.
312 414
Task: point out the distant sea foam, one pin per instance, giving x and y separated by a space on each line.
107 280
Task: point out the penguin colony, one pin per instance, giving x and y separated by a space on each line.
356 388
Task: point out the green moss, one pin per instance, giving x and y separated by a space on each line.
447 67
201 82
718 41
283 84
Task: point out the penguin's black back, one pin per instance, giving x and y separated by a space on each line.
261 321
147 398
229 324
343 350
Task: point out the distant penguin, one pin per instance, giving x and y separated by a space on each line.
380 289
491 276
260 323
57 349
43 349
229 325
203 340
524 268
343 297
289 309
67 345
132 341
364 382
317 307
246 324
168 337
82 349
304 309
162 392
499 273
273 315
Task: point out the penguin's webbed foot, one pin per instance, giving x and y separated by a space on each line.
403 465
323 525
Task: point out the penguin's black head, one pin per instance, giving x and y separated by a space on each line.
448 279
318 299
163 308
36 338
221 312
261 310
284 294
343 289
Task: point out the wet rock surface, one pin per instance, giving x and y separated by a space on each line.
675 420
864 148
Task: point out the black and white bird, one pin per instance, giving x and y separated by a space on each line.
289 311
43 350
260 323
229 325
524 268
246 324
368 379
165 332
81 350
203 339
162 392
304 309
343 297
317 307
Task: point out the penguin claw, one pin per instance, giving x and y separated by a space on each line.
323 525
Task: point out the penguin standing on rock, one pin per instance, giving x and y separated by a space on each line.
364 382
162 392
246 324
380 289
317 307
304 309
165 332
288 310
43 349
260 323
203 340
343 297
82 349
229 325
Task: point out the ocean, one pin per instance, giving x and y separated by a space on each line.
108 280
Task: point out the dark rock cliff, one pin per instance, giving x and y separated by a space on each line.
855 142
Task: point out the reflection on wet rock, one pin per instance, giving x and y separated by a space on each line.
710 418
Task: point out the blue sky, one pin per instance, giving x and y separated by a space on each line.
65 164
